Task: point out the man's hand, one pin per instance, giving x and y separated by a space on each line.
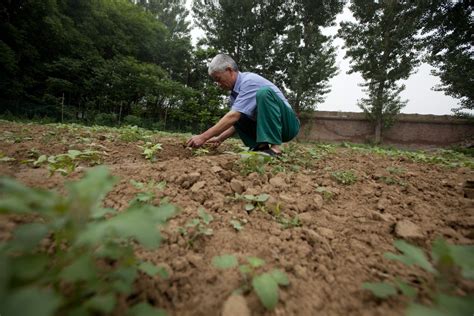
214 141
196 141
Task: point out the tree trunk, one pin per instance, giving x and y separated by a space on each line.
378 130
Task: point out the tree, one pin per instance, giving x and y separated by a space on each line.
383 47
281 40
448 29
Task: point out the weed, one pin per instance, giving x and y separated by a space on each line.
236 224
150 150
197 227
67 163
396 170
253 201
326 193
265 285
200 152
74 260
449 265
289 223
133 134
345 177
252 162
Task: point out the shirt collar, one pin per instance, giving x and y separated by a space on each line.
237 83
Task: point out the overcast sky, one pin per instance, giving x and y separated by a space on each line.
345 89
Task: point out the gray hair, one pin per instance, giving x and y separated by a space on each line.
220 63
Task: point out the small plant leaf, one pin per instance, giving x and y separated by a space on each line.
149 268
81 269
406 289
27 236
255 262
249 207
102 303
267 290
30 302
245 269
236 224
262 197
381 290
145 309
280 277
206 218
420 310
411 256
225 261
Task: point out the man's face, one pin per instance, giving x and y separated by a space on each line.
225 79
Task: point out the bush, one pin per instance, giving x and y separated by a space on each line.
107 119
132 120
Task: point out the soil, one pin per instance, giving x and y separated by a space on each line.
344 232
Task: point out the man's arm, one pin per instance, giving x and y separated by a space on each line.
221 128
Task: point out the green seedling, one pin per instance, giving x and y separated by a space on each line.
253 202
345 177
266 285
67 163
197 227
77 257
252 162
326 193
133 134
150 150
289 223
200 152
148 194
449 266
236 224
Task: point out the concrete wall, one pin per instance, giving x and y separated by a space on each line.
410 130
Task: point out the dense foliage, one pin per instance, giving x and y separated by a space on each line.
383 48
280 40
448 26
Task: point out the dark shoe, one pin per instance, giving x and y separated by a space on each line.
271 153
260 147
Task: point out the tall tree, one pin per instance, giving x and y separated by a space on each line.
448 28
279 39
383 47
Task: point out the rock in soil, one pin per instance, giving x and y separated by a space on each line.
235 305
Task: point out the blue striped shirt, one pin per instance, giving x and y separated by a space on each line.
243 96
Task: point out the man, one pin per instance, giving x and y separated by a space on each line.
259 111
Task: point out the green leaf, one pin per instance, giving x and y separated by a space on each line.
207 218
245 269
406 289
381 289
149 268
267 290
81 269
411 256
249 207
124 278
463 256
420 310
262 197
280 277
27 236
145 309
249 197
236 224
27 267
456 306
224 261
100 212
255 262
102 303
30 302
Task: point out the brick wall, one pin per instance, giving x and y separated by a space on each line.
410 130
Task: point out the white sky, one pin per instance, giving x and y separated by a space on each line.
345 89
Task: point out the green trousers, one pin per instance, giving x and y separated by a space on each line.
275 123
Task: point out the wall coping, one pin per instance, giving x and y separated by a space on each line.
412 118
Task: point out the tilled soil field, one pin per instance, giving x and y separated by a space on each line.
329 237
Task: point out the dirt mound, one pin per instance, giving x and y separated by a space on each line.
335 245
